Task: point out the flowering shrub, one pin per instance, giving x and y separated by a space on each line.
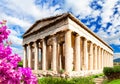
10 73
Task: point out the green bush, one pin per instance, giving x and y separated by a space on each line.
108 70
117 69
112 72
20 64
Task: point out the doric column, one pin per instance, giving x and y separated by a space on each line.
25 56
29 55
77 53
107 58
54 54
95 57
36 56
68 52
112 60
48 57
43 54
85 54
91 56
102 58
99 58
58 58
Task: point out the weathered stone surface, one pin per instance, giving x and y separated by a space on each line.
62 46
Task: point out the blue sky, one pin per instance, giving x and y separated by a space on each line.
101 16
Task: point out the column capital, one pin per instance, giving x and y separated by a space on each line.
68 30
85 39
77 35
24 45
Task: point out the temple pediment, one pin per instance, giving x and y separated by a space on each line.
44 22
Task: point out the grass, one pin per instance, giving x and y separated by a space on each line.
77 80
97 75
117 81
53 80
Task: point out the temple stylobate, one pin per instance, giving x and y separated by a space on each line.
62 42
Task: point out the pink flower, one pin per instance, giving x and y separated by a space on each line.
10 73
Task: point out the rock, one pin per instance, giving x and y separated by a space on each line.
62 76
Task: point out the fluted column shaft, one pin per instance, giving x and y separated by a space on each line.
102 64
29 55
104 58
99 58
77 53
85 55
25 57
36 56
91 56
95 57
68 52
43 54
112 60
54 52
107 59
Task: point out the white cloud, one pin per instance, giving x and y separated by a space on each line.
82 8
109 38
95 13
21 12
107 10
116 55
79 7
18 51
15 40
23 8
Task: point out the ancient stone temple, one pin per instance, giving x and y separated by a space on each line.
62 42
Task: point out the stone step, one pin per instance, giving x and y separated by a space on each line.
98 80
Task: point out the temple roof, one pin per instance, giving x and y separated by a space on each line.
43 23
